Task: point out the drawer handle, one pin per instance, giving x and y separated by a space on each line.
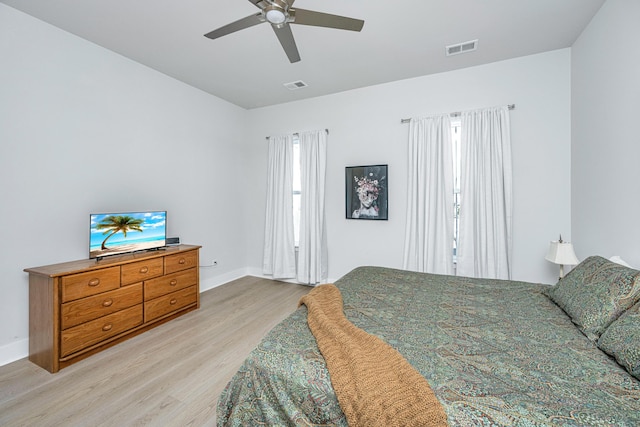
182 261
144 270
107 303
173 301
173 282
94 282
107 327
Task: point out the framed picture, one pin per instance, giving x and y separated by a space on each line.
367 194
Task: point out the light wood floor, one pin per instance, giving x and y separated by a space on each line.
169 376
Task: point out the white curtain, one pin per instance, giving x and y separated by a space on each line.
428 244
279 247
484 245
312 250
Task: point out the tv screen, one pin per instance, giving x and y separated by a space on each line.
118 233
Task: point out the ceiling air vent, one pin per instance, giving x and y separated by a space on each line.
295 85
456 49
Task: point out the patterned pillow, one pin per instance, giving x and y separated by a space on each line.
622 340
595 293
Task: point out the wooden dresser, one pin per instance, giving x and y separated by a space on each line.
81 307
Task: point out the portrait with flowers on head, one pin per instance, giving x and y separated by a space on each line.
367 192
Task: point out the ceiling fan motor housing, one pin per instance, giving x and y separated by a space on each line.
276 13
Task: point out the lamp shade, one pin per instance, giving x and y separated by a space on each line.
561 253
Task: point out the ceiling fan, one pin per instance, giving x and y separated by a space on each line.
280 14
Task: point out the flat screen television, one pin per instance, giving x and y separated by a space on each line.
118 233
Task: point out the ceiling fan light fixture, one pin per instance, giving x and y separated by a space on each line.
275 15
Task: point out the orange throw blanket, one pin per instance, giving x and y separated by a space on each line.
374 384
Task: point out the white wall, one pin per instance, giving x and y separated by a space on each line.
605 141
85 130
365 128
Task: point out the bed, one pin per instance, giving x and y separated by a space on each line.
494 352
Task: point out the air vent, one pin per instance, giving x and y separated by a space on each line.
295 85
456 49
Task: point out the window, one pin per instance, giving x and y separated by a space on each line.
297 189
455 138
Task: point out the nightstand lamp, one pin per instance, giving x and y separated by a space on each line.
561 253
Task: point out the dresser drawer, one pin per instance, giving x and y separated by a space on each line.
171 302
141 270
180 261
87 334
90 283
159 286
80 311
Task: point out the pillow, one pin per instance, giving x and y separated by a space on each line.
622 340
595 293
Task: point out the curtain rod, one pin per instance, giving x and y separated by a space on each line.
297 134
457 113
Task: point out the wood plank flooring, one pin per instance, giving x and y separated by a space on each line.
169 376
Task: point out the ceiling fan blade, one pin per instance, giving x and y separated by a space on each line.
319 19
288 43
259 3
240 24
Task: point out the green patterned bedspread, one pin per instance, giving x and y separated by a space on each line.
496 353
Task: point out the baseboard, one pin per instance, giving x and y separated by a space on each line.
14 351
258 273
212 282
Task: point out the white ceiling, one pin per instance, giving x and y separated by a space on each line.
401 39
